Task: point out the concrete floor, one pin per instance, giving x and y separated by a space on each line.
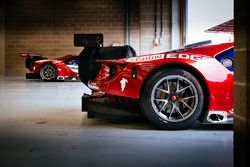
41 125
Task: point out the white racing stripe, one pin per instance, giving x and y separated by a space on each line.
73 68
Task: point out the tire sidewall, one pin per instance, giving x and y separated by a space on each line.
147 108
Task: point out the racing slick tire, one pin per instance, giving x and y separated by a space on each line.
48 72
172 99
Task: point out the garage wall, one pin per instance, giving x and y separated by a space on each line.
1 40
47 27
147 24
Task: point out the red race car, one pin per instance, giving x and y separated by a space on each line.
61 68
172 89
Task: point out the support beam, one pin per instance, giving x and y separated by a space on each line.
241 84
127 22
176 25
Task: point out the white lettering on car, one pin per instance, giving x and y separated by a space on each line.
195 57
171 55
146 58
185 56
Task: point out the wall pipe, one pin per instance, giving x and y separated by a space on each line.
127 23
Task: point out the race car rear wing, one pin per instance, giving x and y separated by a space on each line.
30 55
88 40
31 58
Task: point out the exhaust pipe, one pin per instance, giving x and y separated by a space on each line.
218 117
61 78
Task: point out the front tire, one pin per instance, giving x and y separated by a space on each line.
48 72
172 99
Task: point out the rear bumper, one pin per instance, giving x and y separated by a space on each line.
32 76
100 105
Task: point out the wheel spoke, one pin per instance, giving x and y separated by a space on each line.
171 112
177 85
181 90
165 91
164 106
161 100
186 98
179 111
168 86
186 104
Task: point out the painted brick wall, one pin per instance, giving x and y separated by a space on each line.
47 27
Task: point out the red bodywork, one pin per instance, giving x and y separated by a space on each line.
200 61
63 69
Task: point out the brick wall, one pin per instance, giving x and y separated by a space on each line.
1 40
47 27
147 24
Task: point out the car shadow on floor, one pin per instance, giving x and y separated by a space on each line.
140 122
200 126
42 81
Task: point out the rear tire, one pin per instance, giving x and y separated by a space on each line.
172 99
48 72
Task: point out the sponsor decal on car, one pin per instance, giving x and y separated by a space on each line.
194 57
146 58
123 83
